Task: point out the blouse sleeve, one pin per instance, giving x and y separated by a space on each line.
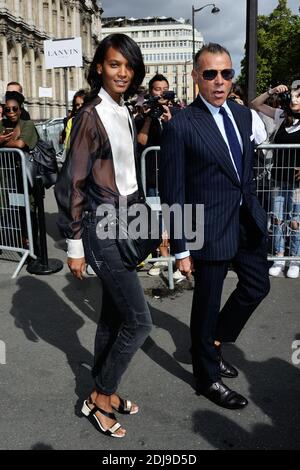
28 134
70 190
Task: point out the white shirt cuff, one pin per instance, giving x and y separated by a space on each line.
182 255
75 248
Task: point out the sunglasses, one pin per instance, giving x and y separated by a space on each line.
14 109
211 74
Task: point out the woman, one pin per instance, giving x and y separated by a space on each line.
23 134
77 103
102 168
285 204
20 134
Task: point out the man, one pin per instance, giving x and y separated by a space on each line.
149 130
16 86
206 158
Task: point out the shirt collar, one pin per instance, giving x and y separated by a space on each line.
215 109
108 99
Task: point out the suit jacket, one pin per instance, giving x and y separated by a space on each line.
87 178
196 168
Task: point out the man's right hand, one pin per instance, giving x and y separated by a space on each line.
185 266
77 266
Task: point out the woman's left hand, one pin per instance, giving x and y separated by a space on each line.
77 267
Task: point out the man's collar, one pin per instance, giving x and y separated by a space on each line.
214 110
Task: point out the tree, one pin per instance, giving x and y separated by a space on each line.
278 49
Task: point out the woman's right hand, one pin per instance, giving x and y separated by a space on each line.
279 89
5 138
77 267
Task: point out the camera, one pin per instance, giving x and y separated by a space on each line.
285 100
155 103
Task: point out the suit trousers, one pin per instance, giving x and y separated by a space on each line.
125 320
207 322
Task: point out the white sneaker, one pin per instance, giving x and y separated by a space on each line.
178 277
157 267
294 269
89 270
277 268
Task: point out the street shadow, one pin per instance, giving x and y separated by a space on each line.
274 388
43 315
41 446
87 297
180 334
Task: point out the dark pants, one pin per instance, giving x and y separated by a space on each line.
125 320
207 323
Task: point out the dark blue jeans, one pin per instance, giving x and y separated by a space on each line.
125 320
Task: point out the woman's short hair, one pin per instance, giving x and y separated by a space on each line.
130 50
14 95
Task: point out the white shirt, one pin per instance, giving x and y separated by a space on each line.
117 123
116 120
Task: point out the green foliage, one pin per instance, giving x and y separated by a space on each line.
278 49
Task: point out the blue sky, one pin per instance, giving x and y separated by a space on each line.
227 27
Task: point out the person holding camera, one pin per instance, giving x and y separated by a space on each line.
150 124
286 173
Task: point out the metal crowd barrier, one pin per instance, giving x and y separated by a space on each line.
50 131
15 220
278 191
155 202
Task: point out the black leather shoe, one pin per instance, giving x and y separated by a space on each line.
226 369
223 396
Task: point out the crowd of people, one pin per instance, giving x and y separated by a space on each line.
206 157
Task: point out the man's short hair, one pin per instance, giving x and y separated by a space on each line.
15 84
157 78
212 48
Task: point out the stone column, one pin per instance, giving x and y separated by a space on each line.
65 33
61 85
41 14
54 97
4 59
50 17
58 29
32 73
44 72
20 63
29 12
16 7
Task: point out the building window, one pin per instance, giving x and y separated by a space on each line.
165 69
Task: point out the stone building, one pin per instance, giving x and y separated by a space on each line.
24 26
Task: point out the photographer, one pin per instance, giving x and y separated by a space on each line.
157 110
285 208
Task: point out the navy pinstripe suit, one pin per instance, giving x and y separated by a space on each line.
196 168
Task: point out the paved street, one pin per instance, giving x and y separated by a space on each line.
48 325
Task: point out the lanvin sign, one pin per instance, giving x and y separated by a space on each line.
63 53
